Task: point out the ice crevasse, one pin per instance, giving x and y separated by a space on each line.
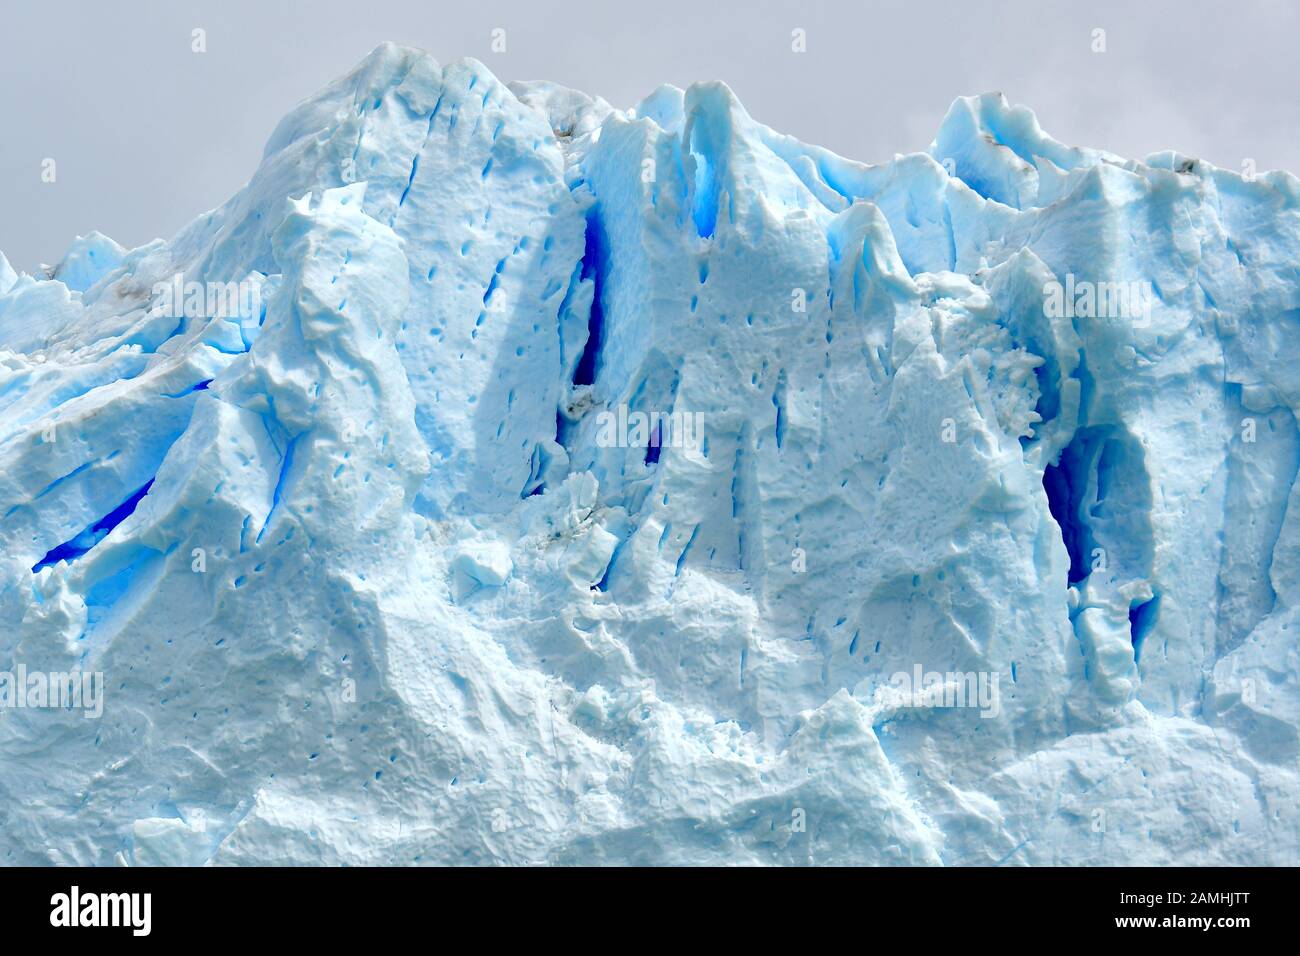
369 582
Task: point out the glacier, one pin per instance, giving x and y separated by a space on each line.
377 563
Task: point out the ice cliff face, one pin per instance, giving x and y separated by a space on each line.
347 493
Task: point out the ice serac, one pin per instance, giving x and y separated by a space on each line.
376 573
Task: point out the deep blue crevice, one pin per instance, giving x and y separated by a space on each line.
286 463
58 481
561 430
1099 493
539 465
603 584
74 548
681 558
493 282
654 444
1063 502
1067 485
410 180
778 400
197 387
704 205
1141 618
595 264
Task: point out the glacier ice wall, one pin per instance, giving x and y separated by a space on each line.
368 582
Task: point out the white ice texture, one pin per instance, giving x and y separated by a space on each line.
366 586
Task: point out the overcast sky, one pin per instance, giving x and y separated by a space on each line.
147 134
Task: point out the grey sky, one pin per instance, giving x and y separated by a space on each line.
147 134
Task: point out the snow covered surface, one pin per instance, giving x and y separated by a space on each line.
369 582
